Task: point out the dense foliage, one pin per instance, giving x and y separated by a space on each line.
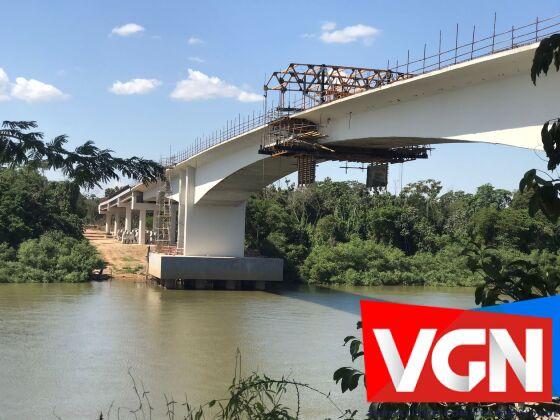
41 229
339 232
30 205
86 165
54 257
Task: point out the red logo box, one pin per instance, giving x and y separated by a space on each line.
428 354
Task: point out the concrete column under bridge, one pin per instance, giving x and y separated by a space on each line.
212 236
108 223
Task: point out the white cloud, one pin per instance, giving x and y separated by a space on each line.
193 40
348 34
196 59
199 86
328 26
134 86
31 90
128 29
4 84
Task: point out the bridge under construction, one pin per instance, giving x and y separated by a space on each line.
476 92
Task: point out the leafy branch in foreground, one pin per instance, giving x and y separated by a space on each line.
546 193
506 282
546 53
87 165
253 397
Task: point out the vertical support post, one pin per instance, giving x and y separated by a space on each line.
439 51
107 223
456 41
494 33
537 29
128 219
188 201
472 43
116 225
173 225
142 227
407 60
181 210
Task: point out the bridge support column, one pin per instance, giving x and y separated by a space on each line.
211 230
128 219
188 205
107 223
116 224
173 225
181 209
142 227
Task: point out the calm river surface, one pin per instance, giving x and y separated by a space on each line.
65 349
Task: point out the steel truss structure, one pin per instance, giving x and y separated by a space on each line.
324 83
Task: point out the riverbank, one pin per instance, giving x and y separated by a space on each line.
122 261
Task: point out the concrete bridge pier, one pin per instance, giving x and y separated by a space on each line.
142 227
137 203
128 218
108 216
213 237
117 223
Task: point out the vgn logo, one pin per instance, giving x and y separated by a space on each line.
427 354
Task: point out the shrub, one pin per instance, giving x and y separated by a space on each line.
358 262
54 257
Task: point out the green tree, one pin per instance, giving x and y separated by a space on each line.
30 205
87 165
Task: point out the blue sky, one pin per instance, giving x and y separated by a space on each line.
62 61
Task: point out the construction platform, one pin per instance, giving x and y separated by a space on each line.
203 272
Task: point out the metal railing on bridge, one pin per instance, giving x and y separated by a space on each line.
497 42
476 48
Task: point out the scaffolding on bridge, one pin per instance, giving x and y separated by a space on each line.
162 216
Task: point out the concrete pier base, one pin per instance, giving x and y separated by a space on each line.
170 283
200 284
231 285
201 271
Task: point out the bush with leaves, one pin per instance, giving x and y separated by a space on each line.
358 262
54 257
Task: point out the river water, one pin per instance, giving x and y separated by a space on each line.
66 349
